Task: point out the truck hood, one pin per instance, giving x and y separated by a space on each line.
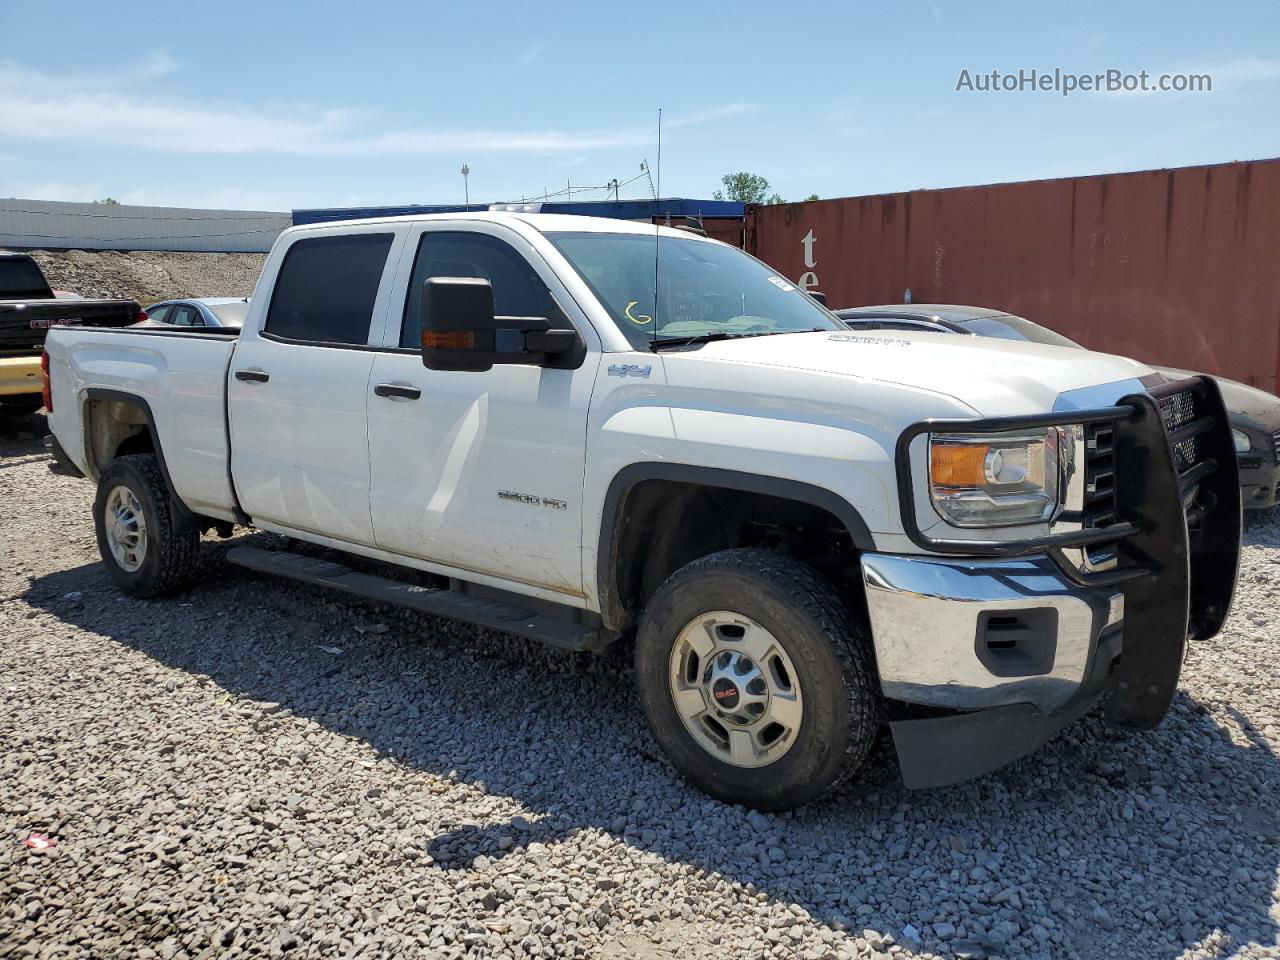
991 376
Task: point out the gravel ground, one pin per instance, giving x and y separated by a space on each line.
256 768
148 276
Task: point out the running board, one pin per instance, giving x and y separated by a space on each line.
437 601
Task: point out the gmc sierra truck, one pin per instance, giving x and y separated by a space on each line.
28 308
581 430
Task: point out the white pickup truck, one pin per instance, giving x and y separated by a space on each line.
581 430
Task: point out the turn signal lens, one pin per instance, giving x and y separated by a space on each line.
448 340
957 465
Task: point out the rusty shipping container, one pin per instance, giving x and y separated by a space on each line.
1178 267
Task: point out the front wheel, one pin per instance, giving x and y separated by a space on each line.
755 680
146 548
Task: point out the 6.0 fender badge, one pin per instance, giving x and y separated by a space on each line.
630 370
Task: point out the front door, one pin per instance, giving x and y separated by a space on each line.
481 471
298 389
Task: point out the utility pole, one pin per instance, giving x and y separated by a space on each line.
466 186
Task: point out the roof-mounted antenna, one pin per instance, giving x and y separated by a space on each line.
657 236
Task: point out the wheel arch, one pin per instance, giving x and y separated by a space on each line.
116 413
694 482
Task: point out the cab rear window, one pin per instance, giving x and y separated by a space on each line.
326 288
21 279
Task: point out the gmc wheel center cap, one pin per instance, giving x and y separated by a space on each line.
725 693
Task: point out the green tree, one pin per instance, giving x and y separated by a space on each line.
109 201
813 196
746 188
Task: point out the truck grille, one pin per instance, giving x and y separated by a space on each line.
1099 487
1179 412
1100 475
1275 445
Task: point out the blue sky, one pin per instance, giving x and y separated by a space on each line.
273 105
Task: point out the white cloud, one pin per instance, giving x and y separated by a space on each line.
158 64
1224 75
39 106
715 113
52 190
531 54
1241 71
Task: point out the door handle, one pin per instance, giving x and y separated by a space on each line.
253 376
397 391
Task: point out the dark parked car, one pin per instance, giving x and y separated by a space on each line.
1255 414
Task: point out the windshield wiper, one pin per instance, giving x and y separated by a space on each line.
663 343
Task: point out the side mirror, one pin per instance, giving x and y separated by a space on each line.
819 296
460 332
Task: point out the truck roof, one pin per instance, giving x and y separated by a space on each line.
542 222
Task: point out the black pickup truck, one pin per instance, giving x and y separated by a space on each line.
28 308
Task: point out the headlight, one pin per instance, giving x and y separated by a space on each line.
1242 440
996 479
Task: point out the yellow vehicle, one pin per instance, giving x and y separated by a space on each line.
28 308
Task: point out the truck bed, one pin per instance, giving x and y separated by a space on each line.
24 323
181 377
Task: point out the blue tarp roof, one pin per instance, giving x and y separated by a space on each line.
621 209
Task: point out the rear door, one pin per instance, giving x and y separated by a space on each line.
481 471
299 382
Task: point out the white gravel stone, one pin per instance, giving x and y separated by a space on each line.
221 785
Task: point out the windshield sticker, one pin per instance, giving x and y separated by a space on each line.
876 341
781 284
638 319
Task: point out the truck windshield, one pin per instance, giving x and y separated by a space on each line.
703 289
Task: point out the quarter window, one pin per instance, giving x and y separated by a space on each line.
518 291
326 288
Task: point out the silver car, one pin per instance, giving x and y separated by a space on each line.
1254 413
226 313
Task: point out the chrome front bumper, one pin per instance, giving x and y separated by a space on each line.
969 634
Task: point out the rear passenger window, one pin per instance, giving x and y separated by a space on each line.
518 291
326 288
185 316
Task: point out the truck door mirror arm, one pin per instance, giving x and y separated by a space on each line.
460 331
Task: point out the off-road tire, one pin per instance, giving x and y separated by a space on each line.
831 652
170 558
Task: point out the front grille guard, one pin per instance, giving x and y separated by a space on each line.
1175 528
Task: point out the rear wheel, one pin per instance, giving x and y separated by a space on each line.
755 680
147 550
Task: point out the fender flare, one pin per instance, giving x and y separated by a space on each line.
102 393
628 477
